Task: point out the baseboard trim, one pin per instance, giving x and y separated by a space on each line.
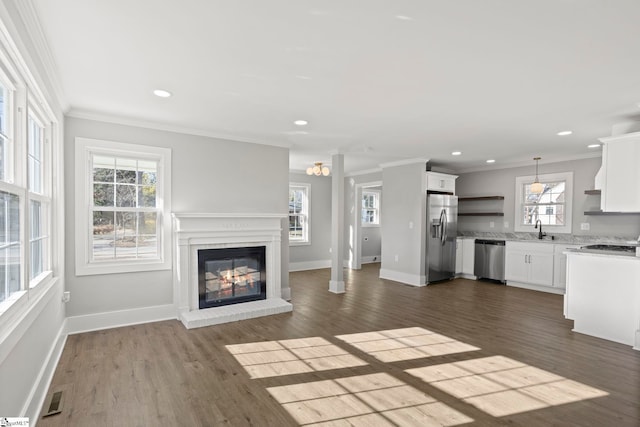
547 289
309 265
39 391
116 319
399 276
370 259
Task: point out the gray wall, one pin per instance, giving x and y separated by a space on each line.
320 220
372 247
403 213
208 175
502 182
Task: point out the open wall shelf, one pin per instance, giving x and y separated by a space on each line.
481 199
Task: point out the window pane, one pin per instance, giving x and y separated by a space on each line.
147 223
103 235
9 244
34 164
295 227
126 195
3 110
103 194
295 201
126 171
103 169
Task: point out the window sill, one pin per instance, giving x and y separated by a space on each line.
299 243
370 225
121 267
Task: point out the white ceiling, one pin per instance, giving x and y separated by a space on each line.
380 80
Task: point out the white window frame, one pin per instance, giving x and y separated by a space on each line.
84 150
44 197
376 194
306 220
567 177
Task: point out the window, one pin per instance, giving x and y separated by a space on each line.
39 199
4 134
370 208
299 213
125 211
9 245
552 207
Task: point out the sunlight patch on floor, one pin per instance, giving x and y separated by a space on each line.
501 386
366 400
294 356
395 345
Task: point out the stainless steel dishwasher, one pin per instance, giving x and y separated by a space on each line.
489 259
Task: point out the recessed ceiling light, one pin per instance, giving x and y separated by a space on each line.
456 153
593 145
564 133
491 161
162 93
404 18
301 122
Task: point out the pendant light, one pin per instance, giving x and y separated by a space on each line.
536 186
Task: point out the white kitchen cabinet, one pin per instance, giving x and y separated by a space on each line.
560 264
441 182
620 175
529 264
468 256
459 255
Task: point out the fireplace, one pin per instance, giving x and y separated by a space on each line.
237 250
231 276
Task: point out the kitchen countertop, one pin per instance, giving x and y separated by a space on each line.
558 238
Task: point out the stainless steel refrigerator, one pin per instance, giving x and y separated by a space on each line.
442 228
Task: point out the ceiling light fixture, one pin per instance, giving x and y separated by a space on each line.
162 93
301 123
564 133
456 153
318 170
593 145
536 186
491 161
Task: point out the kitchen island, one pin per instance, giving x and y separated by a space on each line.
603 295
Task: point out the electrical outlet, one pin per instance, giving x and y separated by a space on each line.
396 257
506 224
410 225
66 296
492 224
585 226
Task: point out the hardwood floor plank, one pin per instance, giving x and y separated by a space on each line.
459 353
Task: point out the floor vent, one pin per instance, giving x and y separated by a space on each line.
55 405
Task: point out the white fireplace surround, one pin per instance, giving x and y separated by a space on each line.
196 231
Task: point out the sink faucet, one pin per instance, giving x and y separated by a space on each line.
540 233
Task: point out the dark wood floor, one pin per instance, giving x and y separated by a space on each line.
161 374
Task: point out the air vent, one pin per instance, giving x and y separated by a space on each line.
55 405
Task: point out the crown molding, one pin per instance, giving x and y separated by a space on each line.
529 163
31 21
128 121
403 162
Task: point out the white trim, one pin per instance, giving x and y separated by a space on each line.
309 265
402 277
83 149
119 318
371 259
306 212
567 177
38 393
548 289
128 121
363 172
613 138
518 164
403 163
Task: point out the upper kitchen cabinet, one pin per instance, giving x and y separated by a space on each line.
441 182
619 177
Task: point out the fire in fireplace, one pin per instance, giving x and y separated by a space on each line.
231 276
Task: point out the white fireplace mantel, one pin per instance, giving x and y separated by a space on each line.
197 231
